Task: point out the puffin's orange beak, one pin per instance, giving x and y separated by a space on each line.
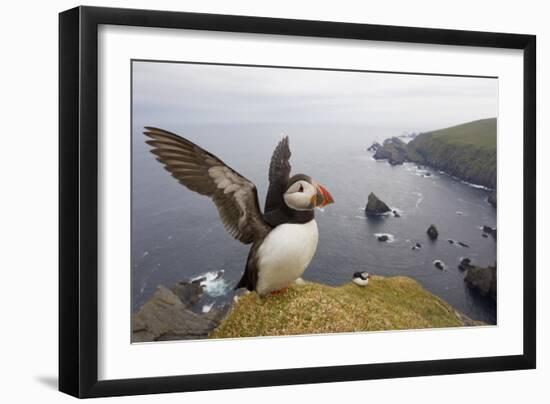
322 197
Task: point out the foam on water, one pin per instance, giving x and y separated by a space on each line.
470 184
207 307
213 283
419 200
391 238
475 185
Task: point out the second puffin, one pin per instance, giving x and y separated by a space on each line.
284 238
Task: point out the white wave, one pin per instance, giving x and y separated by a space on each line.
145 254
380 214
207 307
476 185
213 283
470 184
419 200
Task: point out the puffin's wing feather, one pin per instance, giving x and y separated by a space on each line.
279 173
235 196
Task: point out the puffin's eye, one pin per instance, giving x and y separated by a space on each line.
301 188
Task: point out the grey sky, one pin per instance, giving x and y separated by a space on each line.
200 94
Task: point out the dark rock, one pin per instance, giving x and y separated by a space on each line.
491 231
484 235
166 317
492 199
463 244
418 245
396 213
483 280
428 174
375 146
381 154
465 264
439 265
375 206
189 293
432 232
394 150
396 162
451 241
383 237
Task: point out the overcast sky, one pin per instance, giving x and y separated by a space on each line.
173 93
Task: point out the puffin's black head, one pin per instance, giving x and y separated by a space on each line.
361 275
304 193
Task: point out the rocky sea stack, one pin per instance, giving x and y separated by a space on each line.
432 232
375 207
394 150
483 280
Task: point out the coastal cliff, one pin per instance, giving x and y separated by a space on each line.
394 303
466 151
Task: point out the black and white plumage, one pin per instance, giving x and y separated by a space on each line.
361 278
284 238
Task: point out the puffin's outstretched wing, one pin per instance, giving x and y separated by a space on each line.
279 173
235 197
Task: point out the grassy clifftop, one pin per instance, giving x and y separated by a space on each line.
385 304
467 151
481 134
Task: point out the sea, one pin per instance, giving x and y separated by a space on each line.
177 234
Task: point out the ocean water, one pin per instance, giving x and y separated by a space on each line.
177 234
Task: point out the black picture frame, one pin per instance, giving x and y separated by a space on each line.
78 200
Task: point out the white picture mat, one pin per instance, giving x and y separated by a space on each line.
120 359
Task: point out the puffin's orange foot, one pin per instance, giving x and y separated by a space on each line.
278 292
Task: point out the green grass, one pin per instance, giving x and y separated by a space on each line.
481 134
385 304
467 151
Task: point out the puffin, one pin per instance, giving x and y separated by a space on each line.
361 278
283 237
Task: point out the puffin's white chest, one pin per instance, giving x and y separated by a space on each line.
285 254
